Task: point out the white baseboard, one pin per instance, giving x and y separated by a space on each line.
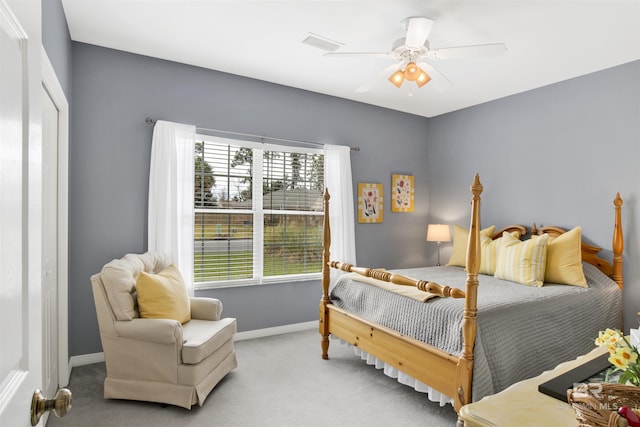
85 359
88 359
276 330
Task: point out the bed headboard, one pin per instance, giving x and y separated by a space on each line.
590 252
510 228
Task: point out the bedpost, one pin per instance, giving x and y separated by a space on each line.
326 277
465 363
618 242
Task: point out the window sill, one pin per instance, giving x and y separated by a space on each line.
253 282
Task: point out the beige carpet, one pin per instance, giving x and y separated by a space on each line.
280 381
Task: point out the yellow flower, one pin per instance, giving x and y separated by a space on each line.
618 361
627 354
622 355
608 337
614 338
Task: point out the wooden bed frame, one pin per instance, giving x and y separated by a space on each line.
447 373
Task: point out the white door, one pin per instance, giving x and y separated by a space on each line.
20 210
49 244
55 184
55 155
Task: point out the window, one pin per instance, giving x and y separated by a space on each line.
258 212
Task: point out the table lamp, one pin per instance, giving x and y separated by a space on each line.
438 233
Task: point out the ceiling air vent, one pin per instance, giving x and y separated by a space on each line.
321 42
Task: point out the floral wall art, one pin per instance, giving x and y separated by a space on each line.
370 205
402 193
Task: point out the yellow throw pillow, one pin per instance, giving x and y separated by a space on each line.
489 252
564 259
163 295
460 242
522 262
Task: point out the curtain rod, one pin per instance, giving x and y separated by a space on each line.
151 121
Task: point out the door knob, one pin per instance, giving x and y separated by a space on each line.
61 404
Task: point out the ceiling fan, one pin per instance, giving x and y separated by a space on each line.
412 54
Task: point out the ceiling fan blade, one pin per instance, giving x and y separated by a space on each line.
418 29
357 54
461 52
438 81
377 78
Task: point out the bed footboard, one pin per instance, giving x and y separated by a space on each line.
426 363
398 279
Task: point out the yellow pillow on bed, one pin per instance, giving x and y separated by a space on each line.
489 252
564 259
460 242
522 262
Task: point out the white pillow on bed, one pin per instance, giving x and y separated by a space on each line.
522 261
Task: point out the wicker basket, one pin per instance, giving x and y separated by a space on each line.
596 404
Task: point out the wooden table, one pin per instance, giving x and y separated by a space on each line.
523 405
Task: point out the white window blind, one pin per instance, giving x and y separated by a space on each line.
258 212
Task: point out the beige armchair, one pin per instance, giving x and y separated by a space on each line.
158 360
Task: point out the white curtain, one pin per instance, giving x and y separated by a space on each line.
337 172
170 221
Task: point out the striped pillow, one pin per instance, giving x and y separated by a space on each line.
489 252
522 262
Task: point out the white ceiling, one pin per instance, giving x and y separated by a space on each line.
547 41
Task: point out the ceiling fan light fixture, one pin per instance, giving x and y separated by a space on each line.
397 78
412 71
423 78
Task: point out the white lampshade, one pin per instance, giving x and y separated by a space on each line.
438 233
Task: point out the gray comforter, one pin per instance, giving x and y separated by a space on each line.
522 330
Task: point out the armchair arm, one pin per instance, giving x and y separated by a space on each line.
162 331
205 308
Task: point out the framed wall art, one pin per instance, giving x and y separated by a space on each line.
370 204
402 193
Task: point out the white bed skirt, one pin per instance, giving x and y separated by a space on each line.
432 394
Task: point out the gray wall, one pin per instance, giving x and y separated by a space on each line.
580 138
110 148
57 42
556 155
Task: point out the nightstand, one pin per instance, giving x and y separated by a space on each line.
523 405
